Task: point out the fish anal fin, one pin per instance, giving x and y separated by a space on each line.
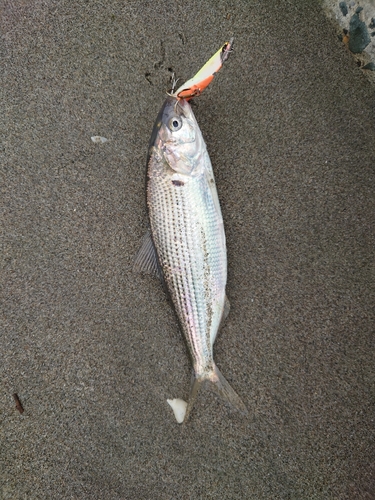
226 308
224 316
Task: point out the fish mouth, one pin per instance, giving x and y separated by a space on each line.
159 120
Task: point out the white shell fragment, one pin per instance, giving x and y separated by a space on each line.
179 408
98 139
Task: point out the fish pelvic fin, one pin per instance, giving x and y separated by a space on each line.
217 383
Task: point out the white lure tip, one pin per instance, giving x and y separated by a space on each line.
179 408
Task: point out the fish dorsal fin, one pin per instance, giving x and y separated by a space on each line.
146 259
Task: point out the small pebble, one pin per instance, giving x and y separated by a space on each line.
18 403
179 408
370 66
345 37
343 8
98 140
358 35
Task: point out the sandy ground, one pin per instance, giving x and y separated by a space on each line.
94 351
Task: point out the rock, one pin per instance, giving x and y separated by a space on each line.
98 139
179 408
343 8
370 66
359 37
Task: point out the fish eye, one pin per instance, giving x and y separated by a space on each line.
175 123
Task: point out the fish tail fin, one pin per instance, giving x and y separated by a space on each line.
196 384
222 387
217 383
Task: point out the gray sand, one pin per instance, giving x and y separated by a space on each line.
94 351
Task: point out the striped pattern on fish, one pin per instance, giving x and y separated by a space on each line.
187 230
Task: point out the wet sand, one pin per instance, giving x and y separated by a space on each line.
94 351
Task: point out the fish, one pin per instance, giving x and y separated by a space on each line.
186 246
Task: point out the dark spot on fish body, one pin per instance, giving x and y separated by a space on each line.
178 183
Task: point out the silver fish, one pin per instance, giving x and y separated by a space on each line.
186 246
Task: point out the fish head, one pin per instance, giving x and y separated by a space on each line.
177 137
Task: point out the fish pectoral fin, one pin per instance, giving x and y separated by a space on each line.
146 259
210 180
217 383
